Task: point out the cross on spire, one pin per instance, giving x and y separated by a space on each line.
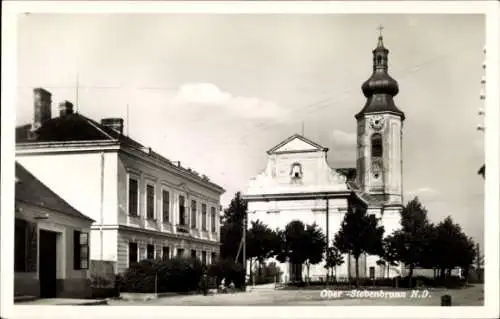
380 28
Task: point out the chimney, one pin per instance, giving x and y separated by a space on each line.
42 100
115 124
65 108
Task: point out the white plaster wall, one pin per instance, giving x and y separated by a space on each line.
76 178
110 244
277 214
64 226
176 185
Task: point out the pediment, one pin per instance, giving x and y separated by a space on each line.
295 144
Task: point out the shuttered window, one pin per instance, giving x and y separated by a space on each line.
81 250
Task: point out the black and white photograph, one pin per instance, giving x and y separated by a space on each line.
186 157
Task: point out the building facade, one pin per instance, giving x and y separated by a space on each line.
51 240
144 205
299 184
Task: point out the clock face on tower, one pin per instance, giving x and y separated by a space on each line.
377 122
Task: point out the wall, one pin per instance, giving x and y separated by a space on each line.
109 240
163 179
76 177
71 283
159 241
390 181
277 214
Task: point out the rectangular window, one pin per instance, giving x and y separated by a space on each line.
133 190
165 199
81 250
213 258
204 257
150 201
203 217
21 245
193 214
193 253
166 253
180 252
212 219
132 253
150 251
182 211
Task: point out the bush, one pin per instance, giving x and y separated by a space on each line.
268 274
172 275
230 271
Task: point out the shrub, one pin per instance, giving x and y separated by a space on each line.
172 275
268 274
229 270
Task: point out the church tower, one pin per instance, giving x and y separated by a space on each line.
379 132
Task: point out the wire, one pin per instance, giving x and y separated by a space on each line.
317 106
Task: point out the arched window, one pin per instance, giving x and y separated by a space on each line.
296 171
377 145
379 59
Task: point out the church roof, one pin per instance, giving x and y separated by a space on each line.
365 197
296 143
380 88
32 191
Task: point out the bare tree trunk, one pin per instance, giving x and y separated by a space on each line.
410 275
357 271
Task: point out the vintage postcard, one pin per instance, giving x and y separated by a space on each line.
312 159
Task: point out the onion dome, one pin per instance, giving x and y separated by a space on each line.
380 88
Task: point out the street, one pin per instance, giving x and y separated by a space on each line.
471 296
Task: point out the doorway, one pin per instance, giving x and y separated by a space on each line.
48 264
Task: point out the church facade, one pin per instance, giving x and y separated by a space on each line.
299 184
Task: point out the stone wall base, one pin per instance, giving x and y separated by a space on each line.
74 288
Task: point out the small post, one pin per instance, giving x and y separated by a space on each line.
156 283
446 300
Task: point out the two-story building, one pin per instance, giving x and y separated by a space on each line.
144 205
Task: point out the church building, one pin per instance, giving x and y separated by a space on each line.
299 184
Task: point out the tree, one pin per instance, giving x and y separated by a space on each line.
299 244
453 248
412 240
334 258
314 245
389 256
232 226
359 234
261 243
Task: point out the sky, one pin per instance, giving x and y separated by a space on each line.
217 91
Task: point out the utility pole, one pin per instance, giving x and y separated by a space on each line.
327 232
481 112
245 246
77 87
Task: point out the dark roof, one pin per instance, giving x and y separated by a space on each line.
349 173
76 127
380 88
370 200
72 127
32 191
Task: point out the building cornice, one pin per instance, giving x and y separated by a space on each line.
297 196
162 234
171 168
40 148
